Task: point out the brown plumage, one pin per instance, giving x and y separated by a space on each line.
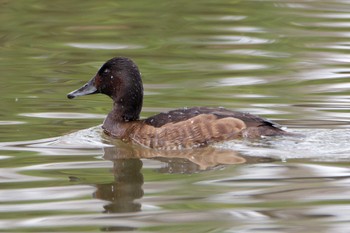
120 79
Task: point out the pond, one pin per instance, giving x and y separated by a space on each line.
287 61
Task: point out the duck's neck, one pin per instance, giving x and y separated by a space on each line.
125 111
119 120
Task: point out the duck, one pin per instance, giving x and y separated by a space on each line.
185 128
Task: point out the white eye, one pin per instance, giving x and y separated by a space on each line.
106 71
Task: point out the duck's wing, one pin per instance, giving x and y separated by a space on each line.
199 126
196 131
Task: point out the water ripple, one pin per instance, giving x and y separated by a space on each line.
238 40
238 81
76 205
103 46
46 193
63 115
12 122
320 145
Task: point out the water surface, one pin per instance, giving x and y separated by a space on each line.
284 60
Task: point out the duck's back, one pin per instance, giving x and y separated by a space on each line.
199 126
184 114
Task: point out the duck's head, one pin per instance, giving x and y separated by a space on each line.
120 79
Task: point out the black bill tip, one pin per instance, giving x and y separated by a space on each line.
87 89
70 96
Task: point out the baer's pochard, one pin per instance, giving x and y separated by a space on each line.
120 79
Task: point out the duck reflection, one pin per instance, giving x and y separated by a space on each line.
126 189
177 161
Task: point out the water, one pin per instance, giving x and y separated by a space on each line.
285 60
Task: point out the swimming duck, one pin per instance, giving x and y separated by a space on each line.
120 79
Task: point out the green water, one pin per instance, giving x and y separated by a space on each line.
284 60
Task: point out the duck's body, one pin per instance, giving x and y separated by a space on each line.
120 79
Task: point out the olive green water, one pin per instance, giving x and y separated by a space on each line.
284 60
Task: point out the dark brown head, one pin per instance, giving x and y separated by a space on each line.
120 79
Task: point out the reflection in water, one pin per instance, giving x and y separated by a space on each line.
128 179
125 189
178 161
123 192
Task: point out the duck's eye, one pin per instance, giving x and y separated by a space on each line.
106 71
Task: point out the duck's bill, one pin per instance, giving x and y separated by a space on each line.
87 89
